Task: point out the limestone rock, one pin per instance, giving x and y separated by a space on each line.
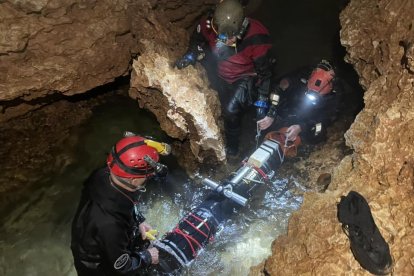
63 47
378 37
69 47
185 106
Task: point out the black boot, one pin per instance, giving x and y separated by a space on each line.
232 142
232 151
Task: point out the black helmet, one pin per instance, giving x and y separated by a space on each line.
228 17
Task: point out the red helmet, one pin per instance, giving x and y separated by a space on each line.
127 158
320 81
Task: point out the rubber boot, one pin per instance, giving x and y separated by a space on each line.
232 139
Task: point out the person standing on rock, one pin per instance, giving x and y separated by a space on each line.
108 230
237 50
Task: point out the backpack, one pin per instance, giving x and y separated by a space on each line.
367 245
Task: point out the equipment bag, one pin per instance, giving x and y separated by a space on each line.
289 148
367 245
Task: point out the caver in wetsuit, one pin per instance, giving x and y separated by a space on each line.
244 68
295 107
105 230
106 238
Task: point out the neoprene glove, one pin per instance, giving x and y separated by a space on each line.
262 108
186 60
261 113
145 257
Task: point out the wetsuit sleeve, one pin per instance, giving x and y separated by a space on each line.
197 40
199 43
114 241
263 67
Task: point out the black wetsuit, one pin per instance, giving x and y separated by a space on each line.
105 236
294 107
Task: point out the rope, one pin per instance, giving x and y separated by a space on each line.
258 133
128 197
200 220
211 238
261 172
189 240
198 230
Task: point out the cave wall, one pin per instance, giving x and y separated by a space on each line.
378 36
69 47
65 47
184 104
50 48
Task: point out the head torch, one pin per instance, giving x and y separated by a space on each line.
161 148
312 96
160 169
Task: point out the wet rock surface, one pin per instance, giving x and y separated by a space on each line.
55 47
182 100
381 166
61 47
50 48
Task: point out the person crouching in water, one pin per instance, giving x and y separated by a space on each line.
108 226
306 102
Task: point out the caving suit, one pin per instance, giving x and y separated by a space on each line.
244 70
105 236
294 108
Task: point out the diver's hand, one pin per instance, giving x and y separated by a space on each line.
143 228
293 132
186 60
265 122
154 255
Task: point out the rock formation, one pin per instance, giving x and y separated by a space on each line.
378 36
59 47
185 106
54 48
50 48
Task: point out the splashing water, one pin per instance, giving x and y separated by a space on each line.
35 237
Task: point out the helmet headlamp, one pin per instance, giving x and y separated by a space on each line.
160 169
135 156
312 96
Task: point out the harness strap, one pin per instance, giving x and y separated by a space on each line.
131 170
189 240
195 228
200 220
261 172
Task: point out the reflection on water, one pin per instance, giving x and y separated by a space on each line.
246 240
35 237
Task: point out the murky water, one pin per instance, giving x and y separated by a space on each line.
35 238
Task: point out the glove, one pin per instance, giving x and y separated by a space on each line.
146 258
261 109
261 113
186 60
